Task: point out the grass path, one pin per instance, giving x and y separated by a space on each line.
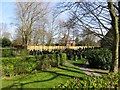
44 79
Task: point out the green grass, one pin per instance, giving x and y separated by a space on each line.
44 79
79 61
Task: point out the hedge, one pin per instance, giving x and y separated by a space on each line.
8 52
99 58
92 82
17 65
12 52
63 58
27 64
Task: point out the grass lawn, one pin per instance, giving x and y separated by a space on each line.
79 61
44 79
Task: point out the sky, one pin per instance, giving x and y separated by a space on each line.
7 12
7 16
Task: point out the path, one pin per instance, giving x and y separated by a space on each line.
89 71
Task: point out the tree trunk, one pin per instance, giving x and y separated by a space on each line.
119 30
115 46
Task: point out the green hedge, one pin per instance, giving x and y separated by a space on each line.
52 60
99 58
12 52
8 52
26 64
43 62
18 65
92 82
63 58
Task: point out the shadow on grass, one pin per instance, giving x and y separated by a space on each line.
79 65
66 68
18 84
72 67
89 69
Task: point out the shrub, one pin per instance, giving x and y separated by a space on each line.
22 52
43 62
69 53
58 59
62 58
6 42
31 58
26 64
8 65
106 81
99 58
29 66
8 52
18 65
12 52
53 61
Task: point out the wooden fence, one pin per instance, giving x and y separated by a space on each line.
57 47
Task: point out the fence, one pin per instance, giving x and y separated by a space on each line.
57 47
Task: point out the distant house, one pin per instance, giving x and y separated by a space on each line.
66 41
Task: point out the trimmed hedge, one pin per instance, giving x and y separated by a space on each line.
12 52
8 52
26 64
99 58
18 65
63 58
43 62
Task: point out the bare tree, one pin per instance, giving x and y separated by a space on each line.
27 15
97 18
4 31
115 27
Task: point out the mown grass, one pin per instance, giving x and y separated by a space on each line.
78 61
44 79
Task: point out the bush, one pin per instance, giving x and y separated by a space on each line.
8 52
26 64
12 52
43 62
6 42
99 58
62 58
18 65
22 52
106 81
53 61
69 53
58 59
8 65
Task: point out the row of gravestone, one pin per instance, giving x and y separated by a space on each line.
71 53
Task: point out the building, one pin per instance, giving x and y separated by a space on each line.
66 41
